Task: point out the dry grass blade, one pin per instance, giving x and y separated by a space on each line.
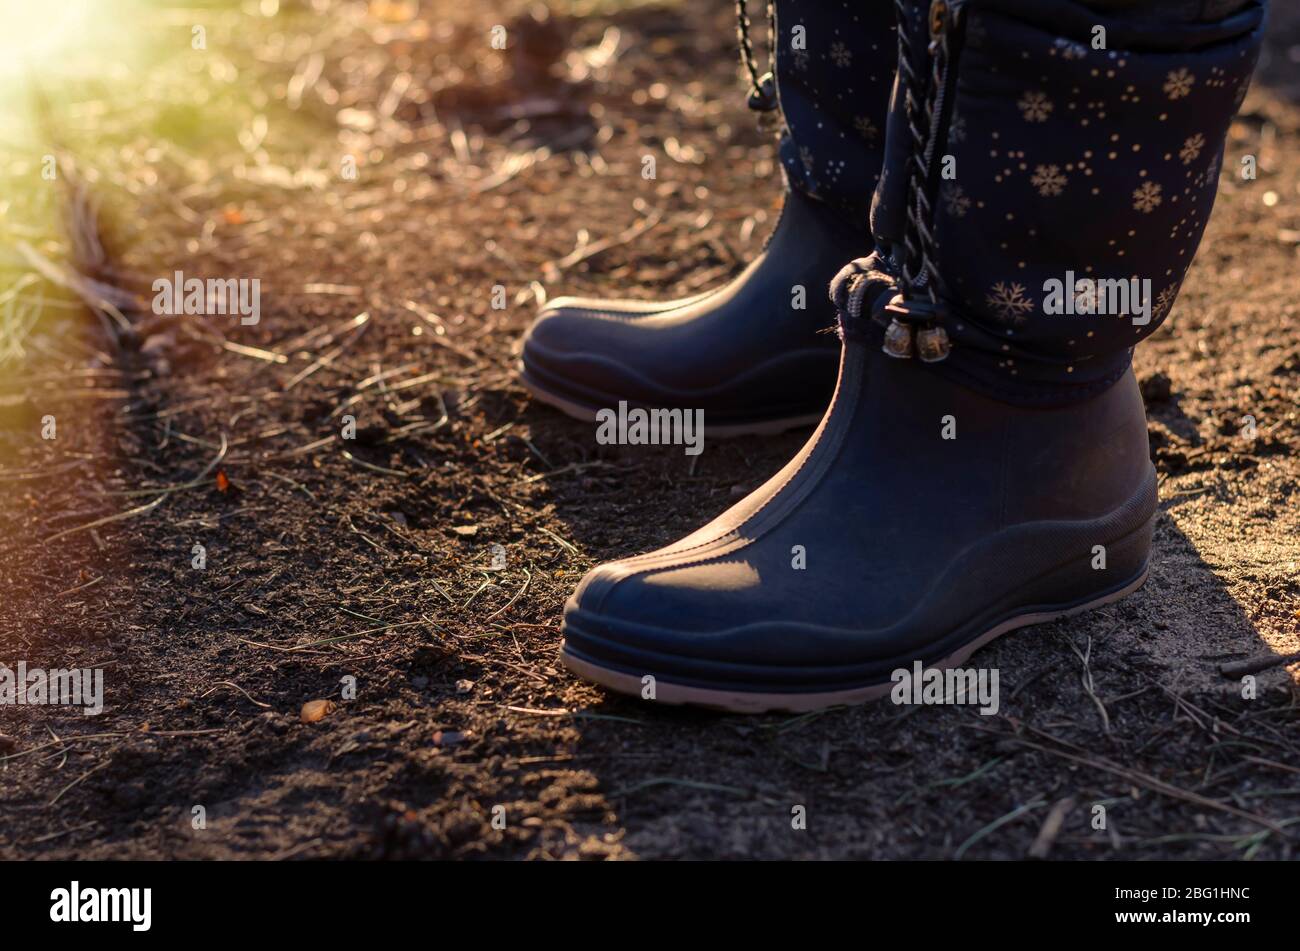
148 506
1150 782
78 781
584 251
1085 680
519 594
996 824
371 466
100 296
232 684
358 326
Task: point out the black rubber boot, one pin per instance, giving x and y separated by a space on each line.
920 521
754 355
984 464
744 353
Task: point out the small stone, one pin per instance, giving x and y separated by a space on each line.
314 710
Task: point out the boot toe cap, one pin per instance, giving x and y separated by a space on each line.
590 355
686 620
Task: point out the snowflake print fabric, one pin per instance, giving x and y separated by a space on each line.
835 64
1101 163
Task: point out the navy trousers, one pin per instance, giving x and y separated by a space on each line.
1058 174
835 64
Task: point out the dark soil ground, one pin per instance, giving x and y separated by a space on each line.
374 559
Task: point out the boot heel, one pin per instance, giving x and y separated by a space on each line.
1101 572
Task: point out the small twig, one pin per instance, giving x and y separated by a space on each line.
120 516
995 825
586 251
358 326
563 470
229 683
93 769
148 506
505 607
671 781
1051 828
1142 779
80 587
370 465
1254 665
58 835
331 640
1085 678
567 546
297 485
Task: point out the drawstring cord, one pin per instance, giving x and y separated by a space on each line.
913 328
762 88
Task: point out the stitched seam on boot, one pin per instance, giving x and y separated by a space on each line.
642 564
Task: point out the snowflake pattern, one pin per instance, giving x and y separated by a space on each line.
1009 303
1085 295
957 130
866 128
1191 149
1147 197
1035 106
1069 156
1068 49
1179 83
1210 176
1164 301
1049 180
955 200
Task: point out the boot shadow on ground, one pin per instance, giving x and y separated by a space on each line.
686 782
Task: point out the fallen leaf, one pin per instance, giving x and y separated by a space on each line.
223 483
465 529
314 710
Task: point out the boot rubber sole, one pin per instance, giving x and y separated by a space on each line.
587 413
742 701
